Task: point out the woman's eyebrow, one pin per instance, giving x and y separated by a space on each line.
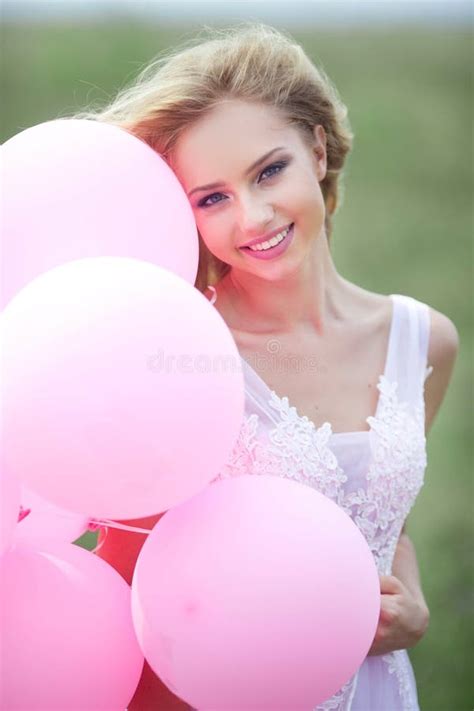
211 186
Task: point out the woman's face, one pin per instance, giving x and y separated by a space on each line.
251 200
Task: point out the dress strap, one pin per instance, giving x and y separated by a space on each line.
409 347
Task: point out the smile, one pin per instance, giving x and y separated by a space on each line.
274 248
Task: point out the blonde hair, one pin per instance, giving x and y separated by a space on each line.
253 62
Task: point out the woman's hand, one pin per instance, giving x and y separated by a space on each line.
404 617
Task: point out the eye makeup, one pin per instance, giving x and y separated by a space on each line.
279 164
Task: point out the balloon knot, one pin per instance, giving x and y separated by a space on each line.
92 526
23 513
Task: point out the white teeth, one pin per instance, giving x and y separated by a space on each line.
270 243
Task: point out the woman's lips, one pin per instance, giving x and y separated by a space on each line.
272 252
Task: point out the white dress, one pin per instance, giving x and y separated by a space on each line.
374 475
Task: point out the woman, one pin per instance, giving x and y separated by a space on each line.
337 394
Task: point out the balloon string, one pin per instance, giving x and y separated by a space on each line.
114 524
93 523
98 547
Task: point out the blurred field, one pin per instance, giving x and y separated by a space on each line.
405 226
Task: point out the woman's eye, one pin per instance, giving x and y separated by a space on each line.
202 203
275 167
280 165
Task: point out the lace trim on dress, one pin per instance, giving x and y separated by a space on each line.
342 701
395 476
397 664
295 449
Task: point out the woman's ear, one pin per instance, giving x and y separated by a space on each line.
319 149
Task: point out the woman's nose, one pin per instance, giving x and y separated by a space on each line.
255 217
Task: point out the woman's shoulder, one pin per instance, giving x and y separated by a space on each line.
444 338
443 344
442 351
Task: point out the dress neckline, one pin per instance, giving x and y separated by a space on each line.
354 433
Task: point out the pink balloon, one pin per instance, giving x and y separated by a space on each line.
9 507
47 522
75 188
259 592
124 383
68 640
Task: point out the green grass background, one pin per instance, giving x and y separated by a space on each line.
405 226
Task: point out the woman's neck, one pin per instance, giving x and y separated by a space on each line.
310 299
